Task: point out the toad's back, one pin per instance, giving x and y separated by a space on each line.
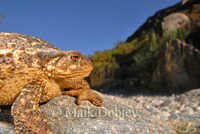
18 49
19 57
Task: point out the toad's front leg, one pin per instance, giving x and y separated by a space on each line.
82 90
28 117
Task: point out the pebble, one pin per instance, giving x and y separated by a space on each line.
197 108
166 114
175 112
193 105
175 117
182 107
188 111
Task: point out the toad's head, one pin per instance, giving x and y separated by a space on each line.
73 64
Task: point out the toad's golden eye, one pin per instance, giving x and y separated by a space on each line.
75 57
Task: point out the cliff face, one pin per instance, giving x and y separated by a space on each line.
162 55
190 8
177 67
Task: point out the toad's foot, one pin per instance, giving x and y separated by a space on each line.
28 117
85 94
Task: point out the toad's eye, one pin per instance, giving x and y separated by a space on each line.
75 57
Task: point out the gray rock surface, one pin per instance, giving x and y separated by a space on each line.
66 117
174 21
143 114
6 128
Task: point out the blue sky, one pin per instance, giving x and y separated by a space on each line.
83 25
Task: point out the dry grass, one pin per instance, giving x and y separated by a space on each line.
184 127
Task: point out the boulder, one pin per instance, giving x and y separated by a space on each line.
174 21
114 117
184 1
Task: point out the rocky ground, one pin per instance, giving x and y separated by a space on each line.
139 113
182 107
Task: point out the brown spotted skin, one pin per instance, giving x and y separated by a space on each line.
32 71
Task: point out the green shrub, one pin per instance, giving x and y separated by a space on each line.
129 58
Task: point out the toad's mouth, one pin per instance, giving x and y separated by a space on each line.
74 74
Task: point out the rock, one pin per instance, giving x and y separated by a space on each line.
193 105
66 117
114 117
174 103
179 63
182 107
184 1
165 103
6 128
174 21
183 99
153 110
160 102
165 109
188 111
174 112
175 117
197 108
166 115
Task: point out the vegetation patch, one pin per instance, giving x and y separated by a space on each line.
183 127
